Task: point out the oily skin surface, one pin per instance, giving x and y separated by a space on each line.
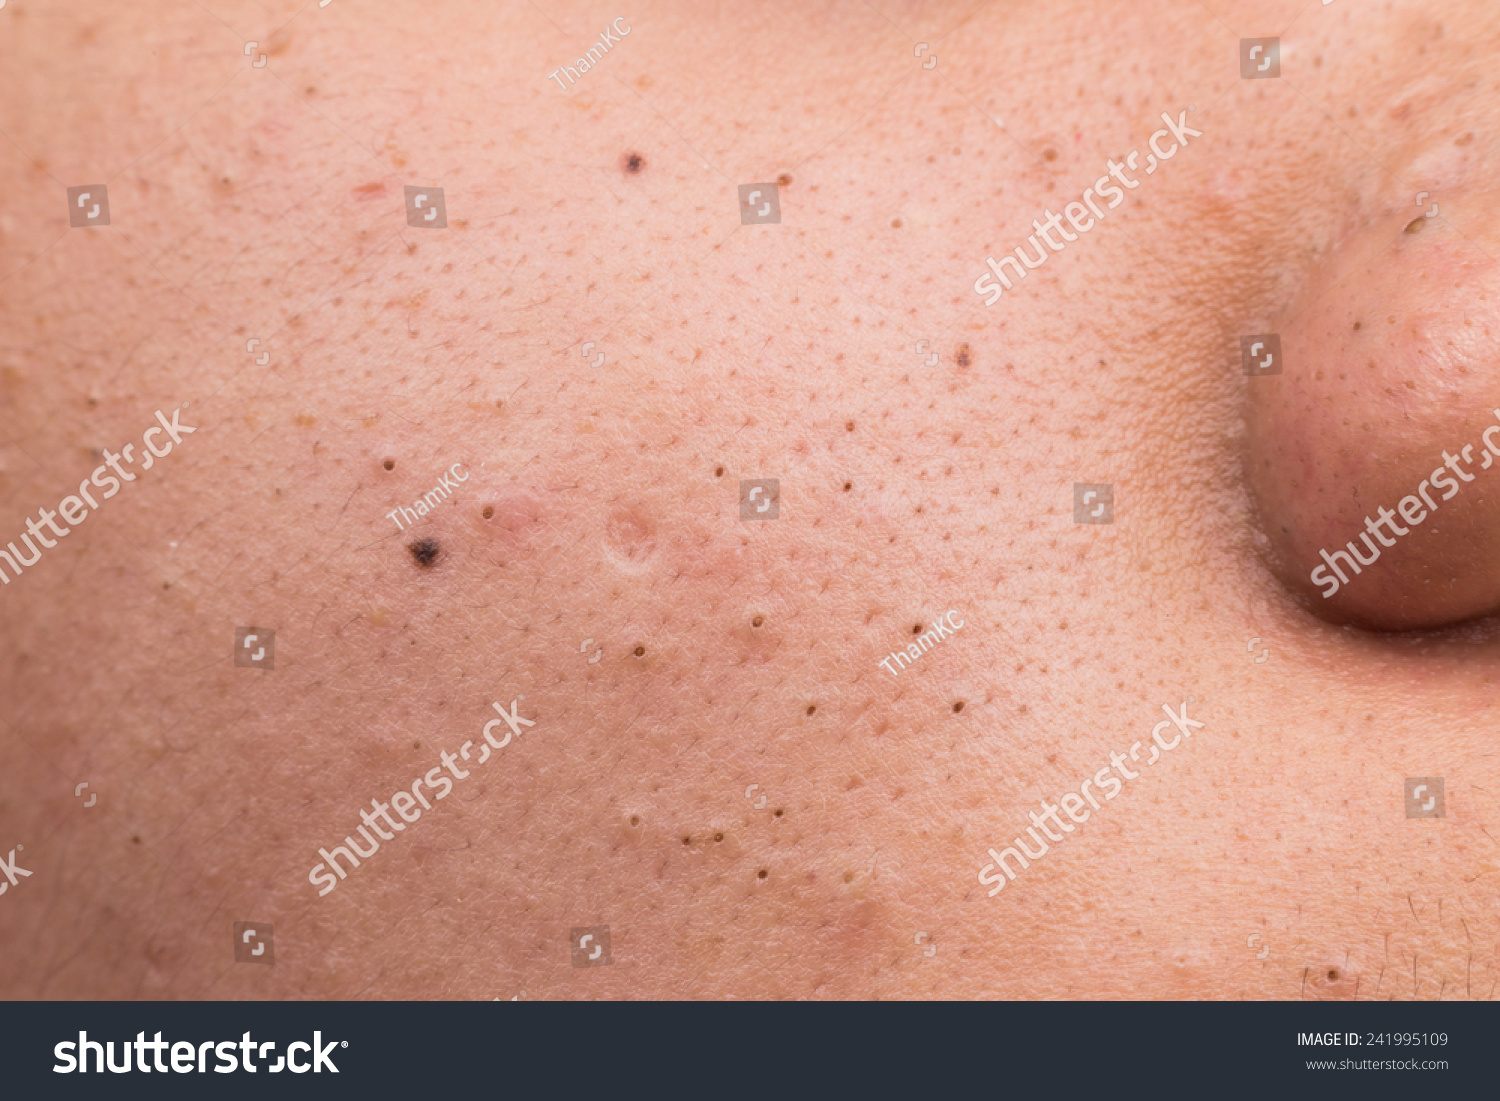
733 653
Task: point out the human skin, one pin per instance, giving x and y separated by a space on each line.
266 202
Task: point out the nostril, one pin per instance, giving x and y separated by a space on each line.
1371 457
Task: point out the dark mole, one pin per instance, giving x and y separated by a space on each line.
762 874
1356 326
779 813
425 551
640 651
963 358
848 426
917 630
1333 976
389 464
635 820
783 180
634 162
811 708
718 837
687 840
757 621
719 473
489 511
959 706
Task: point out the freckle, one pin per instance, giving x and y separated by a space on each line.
1357 326
416 745
848 877
425 551
962 357
687 840
848 426
635 820
1415 225
1465 140
895 223
633 162
1049 154
783 180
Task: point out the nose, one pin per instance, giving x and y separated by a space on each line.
1369 457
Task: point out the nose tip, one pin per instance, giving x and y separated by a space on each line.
1369 457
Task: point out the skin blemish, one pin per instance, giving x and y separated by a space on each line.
757 621
848 426
719 473
640 651
916 629
811 708
1049 154
895 223
848 486
425 551
389 464
958 706
489 511
962 356
1416 224
633 162
779 813
783 180
1358 326
762 874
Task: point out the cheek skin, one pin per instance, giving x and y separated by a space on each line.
1389 362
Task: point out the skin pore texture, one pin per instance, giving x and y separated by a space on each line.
1268 856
